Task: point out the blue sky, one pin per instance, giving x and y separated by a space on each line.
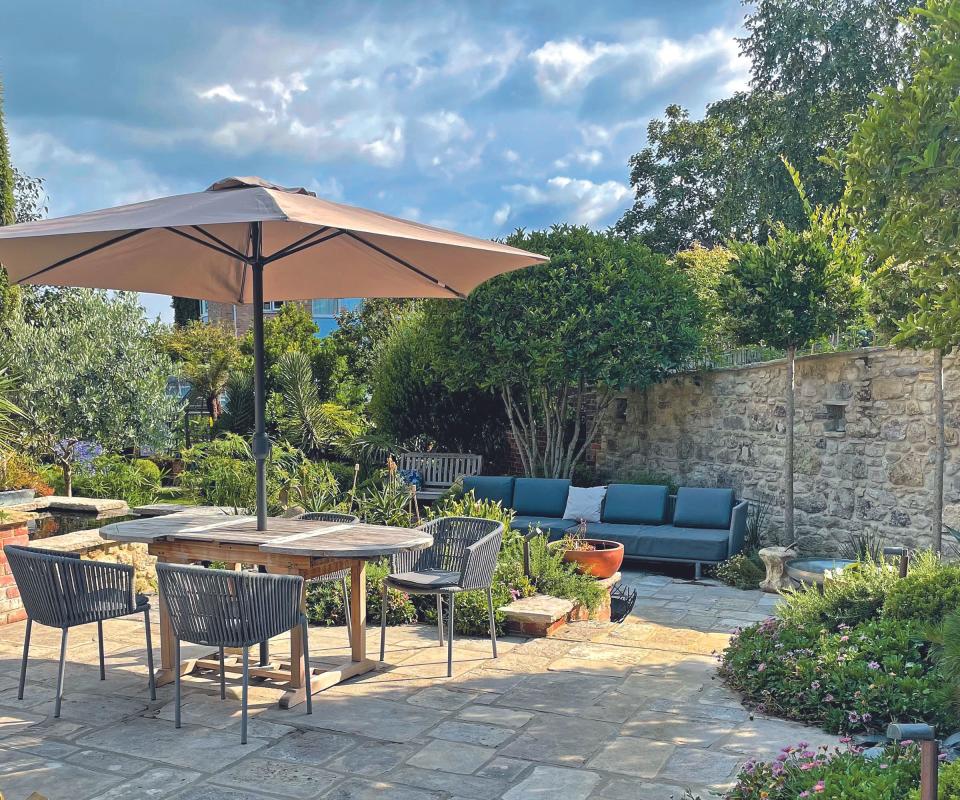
478 116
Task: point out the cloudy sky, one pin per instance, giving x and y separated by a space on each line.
479 116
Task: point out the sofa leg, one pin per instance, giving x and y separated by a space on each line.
696 571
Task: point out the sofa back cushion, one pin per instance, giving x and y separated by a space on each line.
630 503
544 497
495 488
703 508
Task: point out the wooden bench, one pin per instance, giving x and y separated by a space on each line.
439 471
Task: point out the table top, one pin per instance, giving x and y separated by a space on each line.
288 536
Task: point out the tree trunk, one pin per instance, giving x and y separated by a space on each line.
940 456
67 468
788 455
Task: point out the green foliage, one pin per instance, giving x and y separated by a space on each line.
559 578
799 772
467 505
238 413
799 285
741 571
603 314
301 417
930 591
758 526
386 502
813 69
10 412
902 162
205 355
185 310
115 477
852 679
325 600
410 399
361 334
302 481
89 371
948 783
707 268
8 214
221 473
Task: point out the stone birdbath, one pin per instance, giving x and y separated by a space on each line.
815 570
775 560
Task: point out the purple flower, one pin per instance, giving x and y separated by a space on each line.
873 665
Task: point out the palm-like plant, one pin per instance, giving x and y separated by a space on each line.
10 412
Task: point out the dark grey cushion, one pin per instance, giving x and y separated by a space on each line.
495 488
541 497
625 534
703 508
691 544
555 527
632 503
428 579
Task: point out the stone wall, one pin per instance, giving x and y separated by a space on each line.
864 441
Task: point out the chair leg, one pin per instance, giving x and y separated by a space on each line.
306 664
450 611
23 661
696 571
223 678
264 652
383 619
243 700
152 678
176 683
346 607
63 659
103 671
440 618
493 623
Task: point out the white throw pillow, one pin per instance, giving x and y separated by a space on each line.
585 503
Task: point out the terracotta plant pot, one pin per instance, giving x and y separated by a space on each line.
601 562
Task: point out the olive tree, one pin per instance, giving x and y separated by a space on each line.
88 370
902 169
798 286
558 339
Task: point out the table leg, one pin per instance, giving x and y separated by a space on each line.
358 611
168 656
296 646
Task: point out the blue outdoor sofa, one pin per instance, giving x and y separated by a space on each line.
696 526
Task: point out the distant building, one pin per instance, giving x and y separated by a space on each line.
239 318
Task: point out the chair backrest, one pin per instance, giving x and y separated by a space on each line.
451 538
329 516
228 609
60 590
442 470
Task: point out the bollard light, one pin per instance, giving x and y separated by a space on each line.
929 753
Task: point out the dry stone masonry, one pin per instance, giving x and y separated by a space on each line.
865 433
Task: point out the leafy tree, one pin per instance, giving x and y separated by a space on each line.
89 371
293 329
796 287
362 332
8 209
557 340
410 399
903 175
185 310
205 354
707 268
813 68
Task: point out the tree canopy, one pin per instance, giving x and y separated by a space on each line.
603 314
813 69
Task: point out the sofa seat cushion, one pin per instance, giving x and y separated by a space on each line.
627 535
703 508
690 544
494 488
635 504
540 497
554 526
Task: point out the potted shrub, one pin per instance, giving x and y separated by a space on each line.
600 558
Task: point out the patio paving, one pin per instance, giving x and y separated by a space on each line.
601 710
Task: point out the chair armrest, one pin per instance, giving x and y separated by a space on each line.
738 528
480 561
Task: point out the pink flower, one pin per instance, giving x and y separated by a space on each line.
819 787
761 667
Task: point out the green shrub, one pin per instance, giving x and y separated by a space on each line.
948 787
929 592
386 503
554 576
799 772
150 471
325 600
114 477
851 596
854 679
741 571
467 505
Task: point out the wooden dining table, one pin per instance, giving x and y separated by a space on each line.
307 548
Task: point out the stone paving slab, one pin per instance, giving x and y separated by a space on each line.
600 711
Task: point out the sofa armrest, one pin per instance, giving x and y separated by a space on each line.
738 528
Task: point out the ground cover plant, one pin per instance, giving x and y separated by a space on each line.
855 657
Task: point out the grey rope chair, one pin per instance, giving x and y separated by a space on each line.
223 608
462 559
340 575
62 591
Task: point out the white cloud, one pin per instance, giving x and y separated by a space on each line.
501 215
579 200
589 158
512 156
564 68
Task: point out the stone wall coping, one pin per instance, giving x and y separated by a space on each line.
801 357
76 542
94 505
13 519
